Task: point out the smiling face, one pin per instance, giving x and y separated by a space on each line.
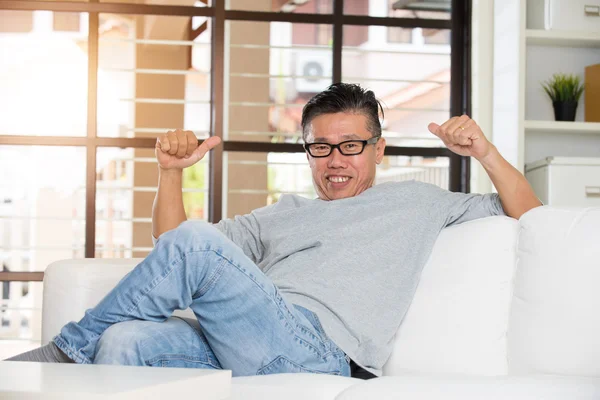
338 176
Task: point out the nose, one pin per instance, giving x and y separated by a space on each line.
336 159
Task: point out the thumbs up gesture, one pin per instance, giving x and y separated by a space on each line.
179 149
462 136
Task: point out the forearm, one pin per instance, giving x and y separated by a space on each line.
167 210
516 194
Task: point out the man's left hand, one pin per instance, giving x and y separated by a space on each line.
463 136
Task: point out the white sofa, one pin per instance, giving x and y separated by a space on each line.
505 309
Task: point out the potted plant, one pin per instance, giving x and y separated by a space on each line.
564 91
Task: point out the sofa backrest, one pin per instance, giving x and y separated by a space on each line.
554 325
458 319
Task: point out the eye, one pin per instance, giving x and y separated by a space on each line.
351 146
320 147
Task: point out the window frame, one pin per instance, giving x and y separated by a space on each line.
460 88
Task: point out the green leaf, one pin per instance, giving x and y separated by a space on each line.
563 87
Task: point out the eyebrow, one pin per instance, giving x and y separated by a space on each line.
348 136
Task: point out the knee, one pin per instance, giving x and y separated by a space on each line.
191 231
122 344
198 229
192 235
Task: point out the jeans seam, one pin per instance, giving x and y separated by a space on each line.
64 347
151 287
169 357
155 283
213 278
323 339
319 326
299 328
202 338
299 366
320 335
324 334
164 276
325 351
315 350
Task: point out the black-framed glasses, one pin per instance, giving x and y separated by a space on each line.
347 147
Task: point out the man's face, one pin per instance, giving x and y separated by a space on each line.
338 176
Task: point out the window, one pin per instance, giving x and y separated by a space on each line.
16 21
66 22
85 127
125 188
44 74
274 68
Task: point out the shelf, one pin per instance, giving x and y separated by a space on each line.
541 37
562 127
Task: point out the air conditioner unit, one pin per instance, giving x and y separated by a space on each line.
313 71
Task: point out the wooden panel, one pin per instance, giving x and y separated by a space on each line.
592 93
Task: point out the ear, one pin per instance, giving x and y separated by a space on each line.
380 149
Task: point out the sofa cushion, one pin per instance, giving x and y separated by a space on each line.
290 387
73 286
458 318
415 387
555 316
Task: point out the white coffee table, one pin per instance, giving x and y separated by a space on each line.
29 380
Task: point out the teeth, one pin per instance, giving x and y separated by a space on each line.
338 179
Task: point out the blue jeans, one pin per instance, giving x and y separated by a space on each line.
243 322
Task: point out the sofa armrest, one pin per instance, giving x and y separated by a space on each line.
73 286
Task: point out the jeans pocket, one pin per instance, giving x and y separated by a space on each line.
282 365
314 321
316 330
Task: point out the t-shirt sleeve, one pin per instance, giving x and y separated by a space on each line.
464 207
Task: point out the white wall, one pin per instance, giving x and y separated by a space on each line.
497 58
506 97
482 69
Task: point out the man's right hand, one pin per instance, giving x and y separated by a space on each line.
179 149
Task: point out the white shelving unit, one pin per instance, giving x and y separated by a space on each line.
541 54
539 37
592 128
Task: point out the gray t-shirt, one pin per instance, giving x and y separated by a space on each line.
355 262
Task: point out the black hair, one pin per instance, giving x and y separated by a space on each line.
344 97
